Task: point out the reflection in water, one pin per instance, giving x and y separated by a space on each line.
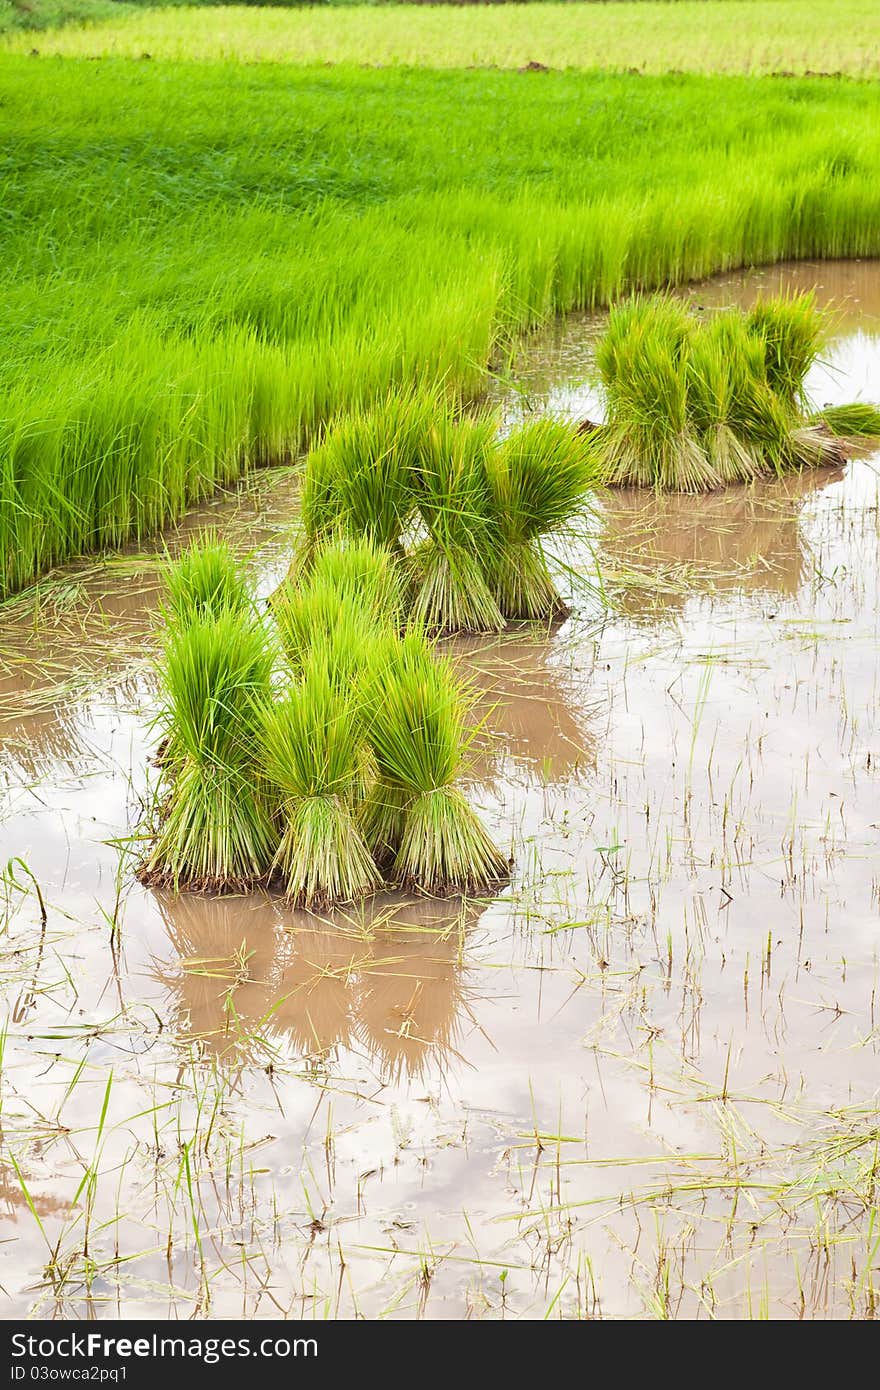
743 538
387 978
530 704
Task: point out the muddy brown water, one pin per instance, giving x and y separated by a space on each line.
641 1082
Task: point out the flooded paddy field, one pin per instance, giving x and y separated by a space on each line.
641 1082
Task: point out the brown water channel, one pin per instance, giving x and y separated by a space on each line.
642 1082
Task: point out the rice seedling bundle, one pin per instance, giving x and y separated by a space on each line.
538 480
298 771
418 738
694 404
359 480
451 486
859 420
311 754
456 537
216 830
204 582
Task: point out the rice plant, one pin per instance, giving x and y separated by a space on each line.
204 582
317 614
216 831
359 482
859 420
694 404
417 734
367 573
311 754
538 480
454 501
790 331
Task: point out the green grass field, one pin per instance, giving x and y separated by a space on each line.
204 261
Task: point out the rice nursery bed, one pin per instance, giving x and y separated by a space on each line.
206 262
639 1081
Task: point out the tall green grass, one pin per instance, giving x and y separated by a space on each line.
204 265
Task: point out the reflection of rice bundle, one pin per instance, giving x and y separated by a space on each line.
313 990
528 704
227 950
319 983
412 995
744 538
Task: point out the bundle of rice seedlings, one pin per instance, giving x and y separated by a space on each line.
790 331
538 478
310 749
693 405
358 482
366 573
418 735
216 832
647 440
724 366
318 615
205 581
454 501
860 420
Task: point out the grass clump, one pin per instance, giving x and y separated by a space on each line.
204 582
216 831
451 593
693 404
538 481
859 420
450 523
359 480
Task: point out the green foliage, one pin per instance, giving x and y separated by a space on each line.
858 420
311 754
205 582
538 483
204 265
693 404
216 831
305 772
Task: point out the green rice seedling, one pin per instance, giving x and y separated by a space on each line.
860 420
216 831
367 573
417 714
204 582
722 365
318 615
311 754
790 331
451 593
647 440
538 479
359 482
693 405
